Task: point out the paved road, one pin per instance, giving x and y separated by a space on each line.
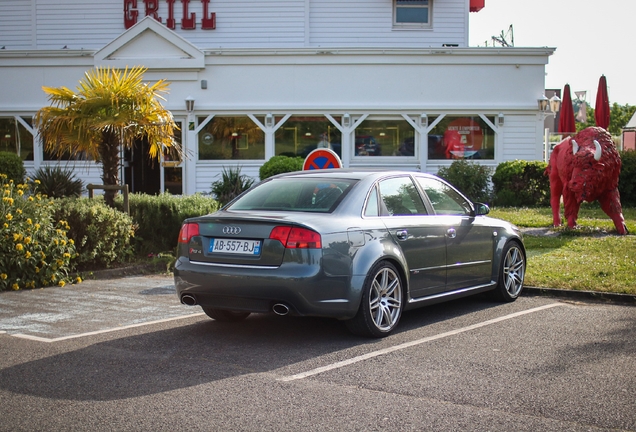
131 358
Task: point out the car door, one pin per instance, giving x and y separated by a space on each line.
469 239
422 242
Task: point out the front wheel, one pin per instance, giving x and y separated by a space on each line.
381 306
225 315
511 273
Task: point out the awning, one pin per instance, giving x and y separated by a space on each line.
477 5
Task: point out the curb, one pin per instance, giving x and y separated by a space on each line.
626 299
135 270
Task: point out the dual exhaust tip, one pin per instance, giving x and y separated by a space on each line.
278 308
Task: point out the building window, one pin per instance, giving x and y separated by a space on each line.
302 134
462 137
384 138
412 13
15 138
231 138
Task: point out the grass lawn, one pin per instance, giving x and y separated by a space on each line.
592 257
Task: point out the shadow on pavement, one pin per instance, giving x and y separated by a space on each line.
203 352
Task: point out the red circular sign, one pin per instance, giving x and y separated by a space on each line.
322 159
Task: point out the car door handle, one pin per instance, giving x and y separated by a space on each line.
402 234
451 233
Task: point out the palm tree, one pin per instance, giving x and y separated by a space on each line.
110 109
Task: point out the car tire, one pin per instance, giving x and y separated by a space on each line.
381 306
511 273
225 315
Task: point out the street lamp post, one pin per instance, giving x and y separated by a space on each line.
548 107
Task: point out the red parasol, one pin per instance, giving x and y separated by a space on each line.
602 107
566 115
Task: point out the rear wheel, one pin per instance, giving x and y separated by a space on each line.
511 273
381 306
225 315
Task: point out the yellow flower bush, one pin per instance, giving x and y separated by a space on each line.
34 249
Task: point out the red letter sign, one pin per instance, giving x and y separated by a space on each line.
188 23
130 13
152 6
170 22
207 23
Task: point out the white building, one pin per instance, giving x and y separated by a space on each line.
386 83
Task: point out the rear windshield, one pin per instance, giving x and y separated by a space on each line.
318 195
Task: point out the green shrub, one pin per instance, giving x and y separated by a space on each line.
101 233
159 217
279 165
231 185
521 183
472 179
12 166
56 182
34 249
627 179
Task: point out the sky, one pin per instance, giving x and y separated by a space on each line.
591 37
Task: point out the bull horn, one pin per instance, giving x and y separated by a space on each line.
575 147
598 152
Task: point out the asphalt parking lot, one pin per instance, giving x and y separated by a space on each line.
54 313
123 354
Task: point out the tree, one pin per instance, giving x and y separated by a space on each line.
619 117
111 109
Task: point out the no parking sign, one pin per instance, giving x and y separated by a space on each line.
322 159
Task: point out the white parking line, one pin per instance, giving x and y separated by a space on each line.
405 345
41 339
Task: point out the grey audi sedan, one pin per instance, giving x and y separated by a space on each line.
355 245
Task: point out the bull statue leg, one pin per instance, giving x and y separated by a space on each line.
611 205
571 207
556 189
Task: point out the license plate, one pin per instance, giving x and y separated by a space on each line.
232 246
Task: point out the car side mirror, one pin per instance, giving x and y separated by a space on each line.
481 209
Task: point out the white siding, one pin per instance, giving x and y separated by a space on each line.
15 24
209 172
370 23
77 24
521 139
87 172
89 25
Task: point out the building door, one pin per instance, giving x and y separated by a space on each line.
144 174
172 166
141 172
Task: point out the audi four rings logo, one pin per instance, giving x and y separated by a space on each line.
231 230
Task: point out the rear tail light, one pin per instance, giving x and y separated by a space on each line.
188 230
296 238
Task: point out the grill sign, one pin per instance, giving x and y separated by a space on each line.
158 9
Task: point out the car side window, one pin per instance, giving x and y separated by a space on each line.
400 197
444 199
371 210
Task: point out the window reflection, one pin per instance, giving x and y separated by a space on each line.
300 135
15 138
400 197
461 137
384 138
225 138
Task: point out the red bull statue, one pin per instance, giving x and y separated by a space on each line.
586 167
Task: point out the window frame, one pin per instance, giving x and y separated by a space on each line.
413 25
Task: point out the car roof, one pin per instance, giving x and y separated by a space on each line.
347 173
